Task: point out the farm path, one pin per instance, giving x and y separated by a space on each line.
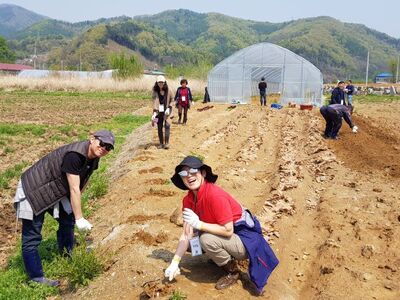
330 209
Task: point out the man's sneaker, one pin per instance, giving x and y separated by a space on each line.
166 146
46 281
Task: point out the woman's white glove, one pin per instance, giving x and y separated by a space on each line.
83 224
354 129
167 111
190 217
153 116
173 270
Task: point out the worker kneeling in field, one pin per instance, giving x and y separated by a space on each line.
333 115
59 177
216 223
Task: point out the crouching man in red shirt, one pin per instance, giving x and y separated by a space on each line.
226 231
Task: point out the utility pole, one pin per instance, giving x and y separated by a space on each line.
397 70
366 72
34 56
80 60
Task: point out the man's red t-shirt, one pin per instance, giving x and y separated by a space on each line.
214 205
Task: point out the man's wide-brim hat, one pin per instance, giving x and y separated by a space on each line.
192 162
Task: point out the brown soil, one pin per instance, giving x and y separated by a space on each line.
156 181
141 218
148 239
8 232
330 209
152 170
160 193
371 149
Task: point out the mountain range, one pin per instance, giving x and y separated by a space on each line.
184 37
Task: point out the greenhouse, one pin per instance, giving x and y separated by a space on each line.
290 78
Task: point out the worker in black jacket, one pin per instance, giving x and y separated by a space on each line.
338 96
333 115
54 184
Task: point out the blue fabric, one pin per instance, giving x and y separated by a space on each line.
276 105
262 258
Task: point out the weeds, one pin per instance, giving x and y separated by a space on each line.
82 266
17 129
177 295
102 87
10 174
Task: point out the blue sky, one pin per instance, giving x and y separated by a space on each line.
382 16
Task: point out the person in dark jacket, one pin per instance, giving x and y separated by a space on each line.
337 96
216 223
333 115
349 90
206 97
184 99
54 184
262 86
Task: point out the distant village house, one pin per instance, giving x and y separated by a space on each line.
13 69
384 78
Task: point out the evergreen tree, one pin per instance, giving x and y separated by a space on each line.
6 55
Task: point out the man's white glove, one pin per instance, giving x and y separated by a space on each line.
167 112
192 103
83 224
153 116
190 217
354 129
173 270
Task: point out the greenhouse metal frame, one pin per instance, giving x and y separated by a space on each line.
289 76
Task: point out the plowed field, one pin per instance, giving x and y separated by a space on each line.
330 209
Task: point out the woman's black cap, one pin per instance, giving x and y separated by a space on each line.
192 162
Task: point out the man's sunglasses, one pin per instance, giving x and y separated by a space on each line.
185 173
106 146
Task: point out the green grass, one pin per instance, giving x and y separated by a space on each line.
82 266
8 150
177 295
368 99
11 173
78 269
17 129
375 98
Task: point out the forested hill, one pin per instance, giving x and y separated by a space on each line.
181 36
14 18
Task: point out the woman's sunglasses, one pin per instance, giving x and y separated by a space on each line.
106 146
185 173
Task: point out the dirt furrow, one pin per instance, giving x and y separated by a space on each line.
317 212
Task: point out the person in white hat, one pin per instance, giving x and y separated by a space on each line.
162 110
